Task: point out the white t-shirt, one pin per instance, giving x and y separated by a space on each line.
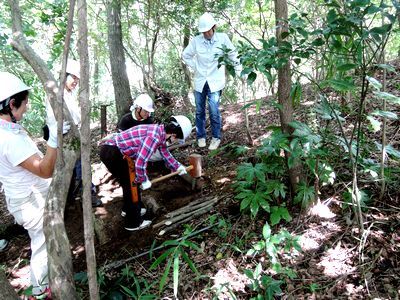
15 147
71 101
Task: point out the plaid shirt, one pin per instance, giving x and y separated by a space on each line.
140 142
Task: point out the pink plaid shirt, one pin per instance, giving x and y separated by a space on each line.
140 142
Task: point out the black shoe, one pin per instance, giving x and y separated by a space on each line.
96 202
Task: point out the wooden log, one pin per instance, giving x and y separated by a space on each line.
196 212
190 207
185 220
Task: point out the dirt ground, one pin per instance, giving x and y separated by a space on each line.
328 268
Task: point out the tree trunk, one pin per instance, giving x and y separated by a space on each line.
85 149
122 89
58 247
284 86
6 290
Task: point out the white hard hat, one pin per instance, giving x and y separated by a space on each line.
10 85
73 68
184 123
144 101
206 22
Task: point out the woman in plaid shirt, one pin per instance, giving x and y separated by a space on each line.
139 143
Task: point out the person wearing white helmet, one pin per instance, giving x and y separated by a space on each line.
201 55
71 100
139 143
25 173
140 113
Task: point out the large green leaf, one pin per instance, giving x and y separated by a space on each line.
346 67
339 85
388 97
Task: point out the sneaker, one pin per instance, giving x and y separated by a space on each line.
96 202
142 212
214 144
3 244
144 224
201 142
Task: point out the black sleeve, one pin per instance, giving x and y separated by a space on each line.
126 122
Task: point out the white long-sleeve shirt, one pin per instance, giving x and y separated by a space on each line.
202 55
71 101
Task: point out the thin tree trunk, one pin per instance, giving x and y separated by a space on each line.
85 149
120 79
284 85
6 290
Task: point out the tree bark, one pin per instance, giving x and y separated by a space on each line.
284 86
6 290
85 149
58 247
122 89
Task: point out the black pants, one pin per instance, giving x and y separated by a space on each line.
118 166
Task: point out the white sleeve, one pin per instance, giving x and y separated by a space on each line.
21 147
188 55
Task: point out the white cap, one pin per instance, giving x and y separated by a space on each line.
206 22
73 68
10 85
185 125
144 101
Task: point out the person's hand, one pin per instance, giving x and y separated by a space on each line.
182 170
53 142
145 185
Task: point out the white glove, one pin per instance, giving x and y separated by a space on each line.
145 185
52 142
182 170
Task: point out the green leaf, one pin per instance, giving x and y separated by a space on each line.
189 262
376 125
254 206
264 204
245 203
387 67
164 277
346 67
251 78
381 30
266 231
385 114
339 85
375 83
161 258
176 275
275 217
388 97
246 171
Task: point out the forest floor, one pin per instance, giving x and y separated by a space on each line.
336 261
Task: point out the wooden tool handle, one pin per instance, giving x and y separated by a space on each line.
169 175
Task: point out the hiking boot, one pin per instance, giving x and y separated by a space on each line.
3 245
96 202
144 224
142 212
201 142
214 144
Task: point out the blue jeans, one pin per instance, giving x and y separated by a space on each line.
213 110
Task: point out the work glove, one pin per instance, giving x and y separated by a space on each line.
182 170
145 185
52 142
